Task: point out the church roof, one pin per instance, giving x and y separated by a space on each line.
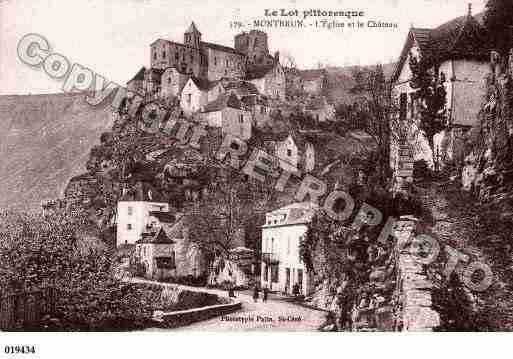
221 48
192 29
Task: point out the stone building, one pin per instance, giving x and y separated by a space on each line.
319 109
458 55
135 217
197 58
314 82
282 266
227 113
269 80
255 46
155 254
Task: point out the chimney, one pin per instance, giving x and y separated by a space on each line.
470 9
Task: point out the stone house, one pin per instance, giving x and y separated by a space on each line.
294 85
227 113
314 82
319 109
259 108
458 55
172 82
268 79
282 266
189 260
197 93
291 152
133 218
155 253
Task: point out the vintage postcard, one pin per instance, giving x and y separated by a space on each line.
232 165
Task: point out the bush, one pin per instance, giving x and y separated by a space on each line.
421 169
48 252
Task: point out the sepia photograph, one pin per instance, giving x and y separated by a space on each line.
185 166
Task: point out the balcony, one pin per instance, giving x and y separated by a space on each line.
270 258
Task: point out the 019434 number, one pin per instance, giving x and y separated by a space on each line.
20 349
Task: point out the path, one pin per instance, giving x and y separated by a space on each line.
257 316
458 223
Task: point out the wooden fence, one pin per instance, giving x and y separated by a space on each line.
26 309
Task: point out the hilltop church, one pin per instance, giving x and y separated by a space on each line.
173 64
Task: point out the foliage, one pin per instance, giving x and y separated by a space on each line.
498 23
53 252
374 113
218 219
430 99
421 169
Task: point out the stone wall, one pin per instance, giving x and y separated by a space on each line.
400 292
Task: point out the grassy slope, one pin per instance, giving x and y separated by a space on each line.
44 141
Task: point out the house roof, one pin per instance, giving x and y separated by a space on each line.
316 103
309 75
297 213
163 217
202 84
158 237
257 72
176 230
242 88
251 100
221 48
224 100
462 37
139 76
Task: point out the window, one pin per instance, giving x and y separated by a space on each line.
262 110
130 210
169 80
189 98
266 273
274 273
289 152
215 61
129 226
154 56
177 56
403 106
241 118
163 54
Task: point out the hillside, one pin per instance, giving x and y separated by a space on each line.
340 82
44 141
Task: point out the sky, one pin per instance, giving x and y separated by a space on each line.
112 37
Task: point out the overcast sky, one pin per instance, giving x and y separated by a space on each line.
113 36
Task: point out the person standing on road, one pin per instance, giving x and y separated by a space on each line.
266 293
255 293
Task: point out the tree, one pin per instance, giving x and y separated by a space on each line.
218 220
373 112
431 98
38 253
499 24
